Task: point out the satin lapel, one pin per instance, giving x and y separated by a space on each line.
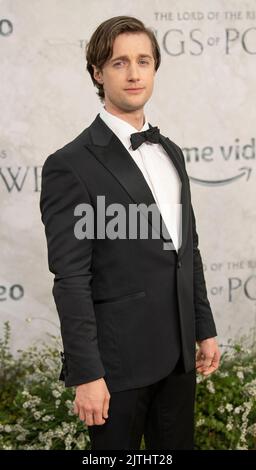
111 153
185 191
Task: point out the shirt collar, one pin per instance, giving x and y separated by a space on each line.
121 128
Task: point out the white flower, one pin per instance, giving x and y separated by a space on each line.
221 409
229 426
223 374
240 375
199 379
56 393
47 418
48 444
66 426
32 402
69 404
210 386
80 442
248 406
37 415
7 428
200 422
252 430
250 388
68 442
229 407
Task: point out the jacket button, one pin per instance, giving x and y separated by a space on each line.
179 264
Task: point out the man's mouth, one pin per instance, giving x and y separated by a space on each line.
133 90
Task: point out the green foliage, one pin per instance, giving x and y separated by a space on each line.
36 410
226 403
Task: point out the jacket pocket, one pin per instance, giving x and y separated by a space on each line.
121 298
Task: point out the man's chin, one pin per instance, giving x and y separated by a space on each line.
134 105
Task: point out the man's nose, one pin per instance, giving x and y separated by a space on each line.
133 72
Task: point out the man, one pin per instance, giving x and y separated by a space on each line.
131 308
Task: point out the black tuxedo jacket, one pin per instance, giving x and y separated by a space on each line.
114 296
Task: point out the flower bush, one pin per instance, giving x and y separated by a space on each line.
226 402
36 410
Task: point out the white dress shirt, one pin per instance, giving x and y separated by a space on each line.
158 171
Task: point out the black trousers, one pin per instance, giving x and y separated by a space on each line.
163 412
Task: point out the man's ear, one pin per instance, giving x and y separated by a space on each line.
97 74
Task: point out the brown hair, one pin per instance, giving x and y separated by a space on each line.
100 47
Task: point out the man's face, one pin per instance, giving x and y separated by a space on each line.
128 77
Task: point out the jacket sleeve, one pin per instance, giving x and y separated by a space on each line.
69 260
205 325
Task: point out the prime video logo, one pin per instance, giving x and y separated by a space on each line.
93 224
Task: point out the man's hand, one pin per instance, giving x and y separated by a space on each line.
92 402
207 356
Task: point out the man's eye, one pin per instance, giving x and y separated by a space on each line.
121 62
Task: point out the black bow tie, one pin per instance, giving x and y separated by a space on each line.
152 135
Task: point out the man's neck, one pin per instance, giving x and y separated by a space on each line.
135 118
